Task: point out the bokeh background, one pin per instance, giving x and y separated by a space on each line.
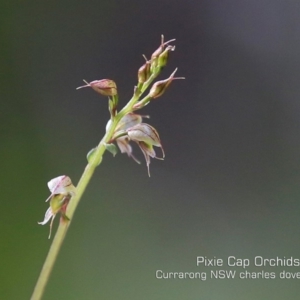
230 183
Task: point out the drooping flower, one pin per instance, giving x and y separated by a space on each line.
131 128
62 190
146 137
122 141
58 204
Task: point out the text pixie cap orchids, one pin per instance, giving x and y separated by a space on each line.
124 127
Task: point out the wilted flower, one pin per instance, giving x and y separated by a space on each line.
62 190
105 87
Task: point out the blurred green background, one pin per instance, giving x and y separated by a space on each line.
231 131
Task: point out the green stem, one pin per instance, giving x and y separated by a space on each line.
63 226
82 184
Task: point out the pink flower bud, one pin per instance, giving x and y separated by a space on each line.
105 87
160 49
160 87
163 57
144 72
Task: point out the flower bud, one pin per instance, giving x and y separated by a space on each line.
160 49
144 72
157 53
159 87
105 87
163 57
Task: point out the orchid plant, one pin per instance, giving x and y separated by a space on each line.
123 128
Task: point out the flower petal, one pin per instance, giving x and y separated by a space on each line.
144 133
125 147
128 121
147 151
51 227
61 185
48 215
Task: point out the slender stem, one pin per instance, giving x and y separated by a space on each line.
63 226
82 184
49 262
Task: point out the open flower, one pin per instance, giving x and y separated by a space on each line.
125 123
146 137
61 185
58 204
131 128
62 190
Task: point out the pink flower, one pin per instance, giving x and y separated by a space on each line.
62 190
